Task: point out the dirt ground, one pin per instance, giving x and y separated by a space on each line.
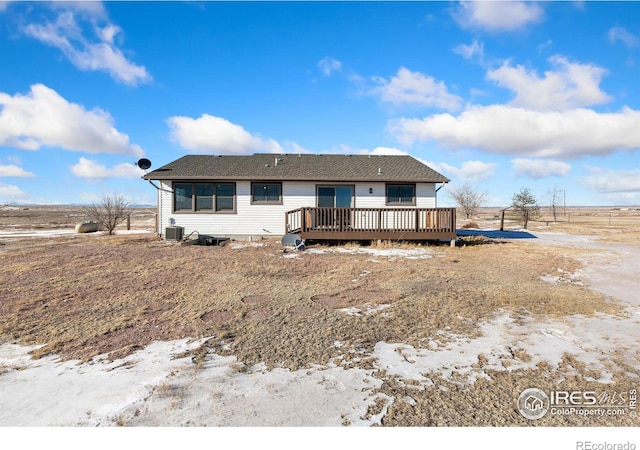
83 296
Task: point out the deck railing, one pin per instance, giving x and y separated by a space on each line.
372 223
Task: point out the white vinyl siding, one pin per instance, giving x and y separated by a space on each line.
252 220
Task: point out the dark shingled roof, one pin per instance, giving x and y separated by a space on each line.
306 167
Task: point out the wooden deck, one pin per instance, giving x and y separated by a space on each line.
418 224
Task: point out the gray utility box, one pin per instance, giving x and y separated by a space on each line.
173 233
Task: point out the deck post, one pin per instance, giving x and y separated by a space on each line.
303 217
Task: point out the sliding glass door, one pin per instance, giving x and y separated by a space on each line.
335 196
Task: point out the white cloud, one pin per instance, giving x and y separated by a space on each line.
11 170
44 118
329 65
86 168
473 171
344 149
544 45
388 151
470 171
210 134
294 147
621 34
13 160
516 131
414 88
10 193
570 85
608 181
90 9
539 168
469 51
66 35
497 15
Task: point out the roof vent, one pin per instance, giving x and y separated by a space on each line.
379 170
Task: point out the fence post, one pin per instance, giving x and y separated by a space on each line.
502 220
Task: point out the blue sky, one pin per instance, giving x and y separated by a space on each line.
500 95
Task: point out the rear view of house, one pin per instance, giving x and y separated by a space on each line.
345 197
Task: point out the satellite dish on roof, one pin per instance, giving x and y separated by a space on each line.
144 163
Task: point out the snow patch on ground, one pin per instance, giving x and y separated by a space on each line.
367 309
238 246
159 387
563 277
218 395
408 253
47 391
507 344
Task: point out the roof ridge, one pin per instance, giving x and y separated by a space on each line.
325 167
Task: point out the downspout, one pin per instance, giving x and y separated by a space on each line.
159 188
159 213
436 196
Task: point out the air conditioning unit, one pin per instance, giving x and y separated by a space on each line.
173 233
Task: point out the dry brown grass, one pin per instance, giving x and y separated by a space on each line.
96 295
471 224
48 217
607 224
493 402
115 295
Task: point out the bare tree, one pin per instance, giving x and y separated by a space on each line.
468 198
554 197
111 211
6 205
